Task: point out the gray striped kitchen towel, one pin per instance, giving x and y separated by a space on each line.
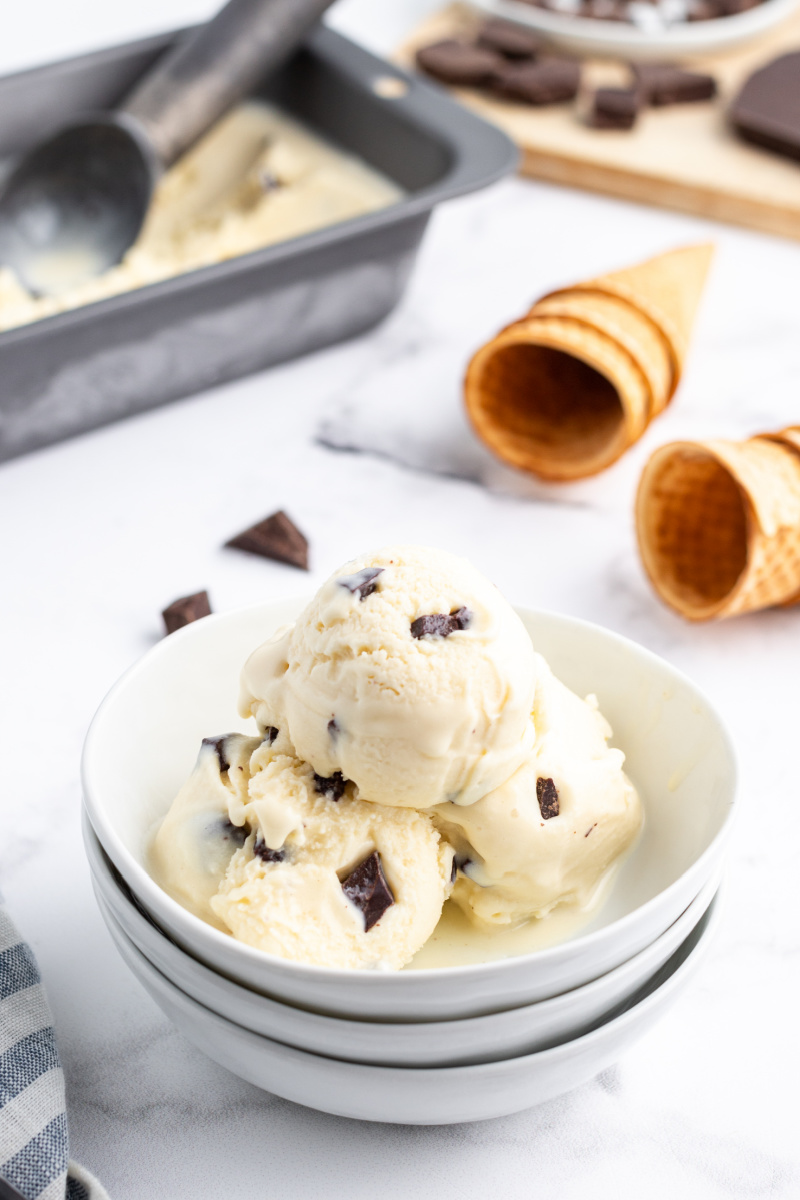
34 1145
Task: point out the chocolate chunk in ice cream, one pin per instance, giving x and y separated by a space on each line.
767 109
276 537
509 39
185 610
661 84
238 834
266 853
458 63
362 584
217 744
545 81
366 887
270 734
547 795
441 624
331 786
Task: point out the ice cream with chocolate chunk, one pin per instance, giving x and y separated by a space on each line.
409 673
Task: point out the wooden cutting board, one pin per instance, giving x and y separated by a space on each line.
684 157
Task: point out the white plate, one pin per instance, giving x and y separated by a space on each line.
441 1043
617 38
421 1096
144 739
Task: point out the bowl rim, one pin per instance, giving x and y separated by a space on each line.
710 920
118 852
703 900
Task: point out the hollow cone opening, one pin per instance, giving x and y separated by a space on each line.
546 411
692 521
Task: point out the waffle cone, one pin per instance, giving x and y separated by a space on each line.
592 398
718 525
667 290
565 391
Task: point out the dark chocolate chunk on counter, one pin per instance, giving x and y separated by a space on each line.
366 887
767 109
185 610
266 853
547 795
509 39
276 537
217 744
459 63
330 786
362 584
545 81
614 108
661 84
441 624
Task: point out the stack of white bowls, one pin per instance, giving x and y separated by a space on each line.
417 1046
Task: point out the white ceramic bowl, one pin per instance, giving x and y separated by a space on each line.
442 1043
144 739
423 1095
591 36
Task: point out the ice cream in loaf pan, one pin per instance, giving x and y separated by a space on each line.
411 745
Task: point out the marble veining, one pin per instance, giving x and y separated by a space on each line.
98 534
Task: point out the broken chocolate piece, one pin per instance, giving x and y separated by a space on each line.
458 63
453 870
330 786
545 81
440 624
509 39
589 830
238 834
661 84
266 853
366 887
275 537
270 734
217 744
333 729
362 583
547 795
767 109
614 108
185 610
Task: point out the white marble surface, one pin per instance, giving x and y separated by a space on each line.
98 534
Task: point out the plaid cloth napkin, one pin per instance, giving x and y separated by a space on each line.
34 1145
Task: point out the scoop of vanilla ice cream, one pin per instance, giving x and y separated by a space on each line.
409 673
194 844
518 856
324 878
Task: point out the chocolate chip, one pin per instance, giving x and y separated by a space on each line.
238 834
453 870
275 537
767 109
509 39
614 108
458 63
589 830
662 83
218 745
460 863
366 887
265 853
547 795
185 610
333 729
440 624
330 786
270 734
362 583
545 81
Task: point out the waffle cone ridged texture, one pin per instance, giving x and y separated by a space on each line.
718 524
563 392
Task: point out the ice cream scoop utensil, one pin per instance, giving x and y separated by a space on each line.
74 204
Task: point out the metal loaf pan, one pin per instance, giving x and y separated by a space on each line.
84 368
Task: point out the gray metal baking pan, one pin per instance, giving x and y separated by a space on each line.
72 372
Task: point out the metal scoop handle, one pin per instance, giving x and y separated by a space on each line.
185 93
